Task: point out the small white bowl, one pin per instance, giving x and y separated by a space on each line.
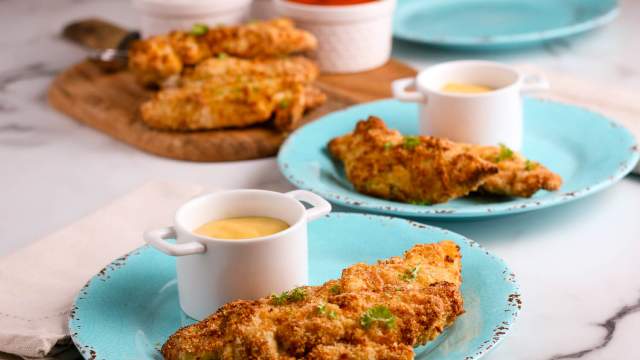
212 272
351 38
489 118
163 16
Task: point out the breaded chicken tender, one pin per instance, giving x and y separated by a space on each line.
426 170
517 176
232 92
226 70
417 169
154 61
162 58
269 38
374 312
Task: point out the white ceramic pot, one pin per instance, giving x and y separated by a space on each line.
351 38
488 118
163 16
212 272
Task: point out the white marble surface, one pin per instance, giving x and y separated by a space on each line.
577 264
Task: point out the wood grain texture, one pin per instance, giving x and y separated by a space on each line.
109 102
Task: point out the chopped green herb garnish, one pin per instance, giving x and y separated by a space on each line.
284 103
411 274
388 145
322 310
368 184
335 289
411 141
199 29
297 294
378 314
279 299
505 153
222 55
294 295
530 165
419 202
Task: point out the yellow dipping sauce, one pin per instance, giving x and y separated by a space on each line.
465 88
242 227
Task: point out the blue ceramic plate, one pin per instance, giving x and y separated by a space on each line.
497 23
589 151
129 309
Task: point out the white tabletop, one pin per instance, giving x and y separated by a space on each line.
577 264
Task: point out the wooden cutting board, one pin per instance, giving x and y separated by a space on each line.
109 102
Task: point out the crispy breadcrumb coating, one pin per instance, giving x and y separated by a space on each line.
427 170
376 311
423 170
232 92
160 58
517 176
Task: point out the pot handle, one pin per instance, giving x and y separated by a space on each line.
320 207
157 238
399 90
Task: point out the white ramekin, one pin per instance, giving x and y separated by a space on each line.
489 118
162 16
351 38
212 272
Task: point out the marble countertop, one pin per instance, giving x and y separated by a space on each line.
577 264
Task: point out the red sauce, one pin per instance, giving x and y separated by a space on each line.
332 2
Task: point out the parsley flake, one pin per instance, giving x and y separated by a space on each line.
284 103
297 294
505 153
411 141
378 314
411 274
419 202
368 184
199 29
222 56
322 310
388 145
530 165
335 289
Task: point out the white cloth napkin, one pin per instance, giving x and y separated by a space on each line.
39 283
619 104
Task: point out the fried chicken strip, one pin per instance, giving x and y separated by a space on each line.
373 312
517 176
160 58
231 92
227 70
425 170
